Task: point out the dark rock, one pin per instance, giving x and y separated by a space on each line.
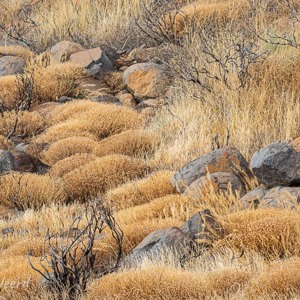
202 225
64 99
106 99
7 162
277 164
11 65
227 159
8 230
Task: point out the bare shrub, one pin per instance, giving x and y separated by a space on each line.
68 258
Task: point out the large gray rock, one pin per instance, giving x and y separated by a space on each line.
11 65
147 80
62 51
94 60
220 182
161 242
7 162
278 197
227 159
277 164
202 226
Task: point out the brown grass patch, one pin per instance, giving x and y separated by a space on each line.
141 191
271 232
103 174
29 123
30 190
154 282
68 164
130 142
281 280
16 50
67 147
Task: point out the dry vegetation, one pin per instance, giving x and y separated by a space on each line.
104 151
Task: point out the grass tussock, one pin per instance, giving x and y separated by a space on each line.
141 191
16 50
98 120
131 142
5 144
273 233
67 147
29 123
102 174
31 190
156 282
71 163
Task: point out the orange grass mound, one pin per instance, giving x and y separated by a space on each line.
29 123
154 282
16 50
271 232
177 207
67 147
281 280
103 174
141 191
30 190
130 142
68 164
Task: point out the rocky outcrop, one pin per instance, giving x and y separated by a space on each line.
278 197
93 60
227 159
217 182
278 164
11 65
146 80
62 51
8 162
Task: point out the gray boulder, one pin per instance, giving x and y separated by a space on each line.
93 60
11 65
277 197
202 225
7 162
277 164
227 159
160 242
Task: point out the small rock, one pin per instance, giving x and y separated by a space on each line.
227 159
277 164
62 51
150 103
7 230
8 162
202 225
218 182
147 80
126 99
106 99
11 65
94 60
64 99
278 197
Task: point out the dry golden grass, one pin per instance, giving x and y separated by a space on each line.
29 123
16 50
278 281
89 119
172 206
131 142
273 233
67 147
142 191
31 190
68 164
4 143
102 174
154 282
